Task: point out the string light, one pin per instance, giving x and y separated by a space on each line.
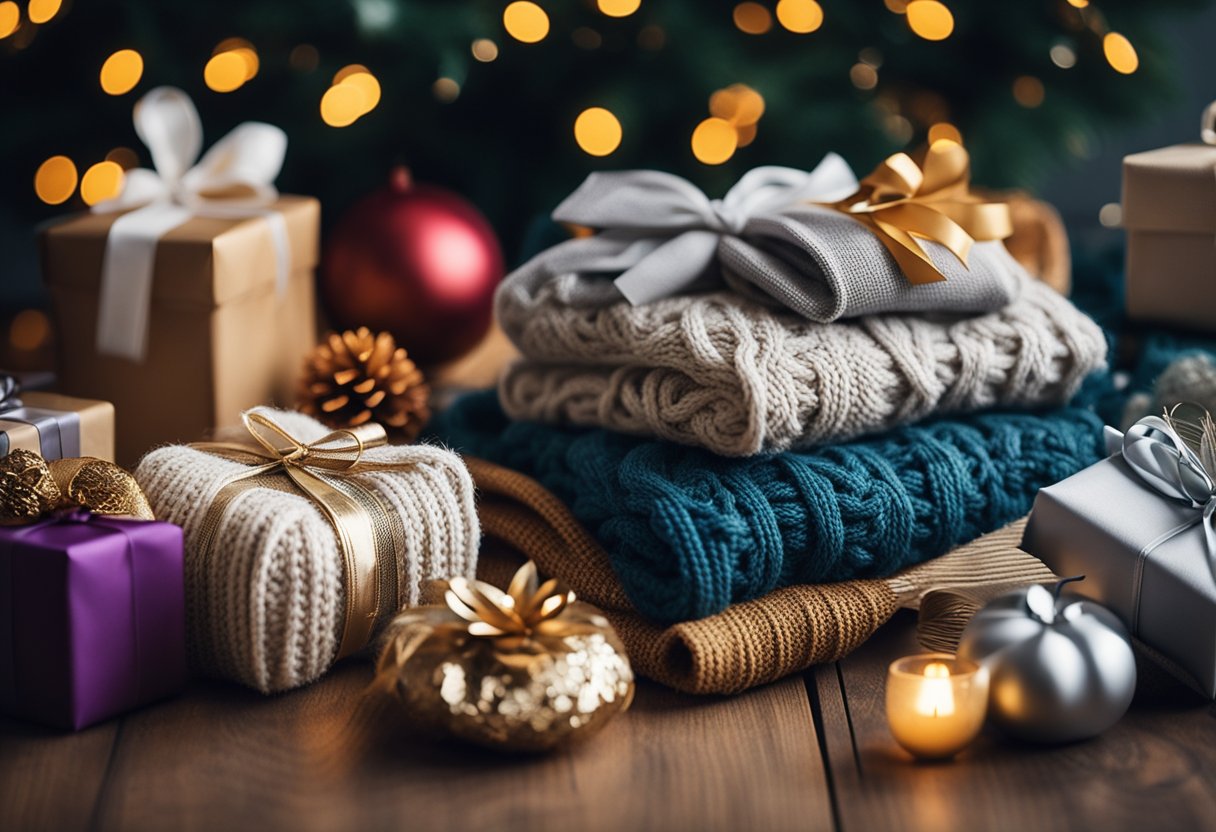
930 19
243 49
445 89
55 180
800 16
359 76
944 131
1078 4
618 8
100 182
484 50
1120 53
29 330
1028 91
41 11
597 131
122 71
355 92
10 18
752 18
224 72
1063 56
525 21
863 76
714 141
738 104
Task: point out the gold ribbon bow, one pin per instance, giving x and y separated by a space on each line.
315 468
903 202
31 487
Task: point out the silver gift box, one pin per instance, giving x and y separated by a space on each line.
1105 523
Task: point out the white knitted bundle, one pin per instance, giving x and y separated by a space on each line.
724 373
267 608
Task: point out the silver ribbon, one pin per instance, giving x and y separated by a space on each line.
234 179
669 230
1160 457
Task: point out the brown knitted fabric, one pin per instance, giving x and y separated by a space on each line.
747 644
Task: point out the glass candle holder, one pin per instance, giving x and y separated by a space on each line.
936 703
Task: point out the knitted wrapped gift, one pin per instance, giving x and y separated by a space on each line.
689 533
724 373
268 605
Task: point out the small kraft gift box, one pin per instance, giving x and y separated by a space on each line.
92 610
1140 526
52 425
1169 212
189 298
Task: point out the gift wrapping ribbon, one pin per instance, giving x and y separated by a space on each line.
1155 451
903 202
317 470
674 228
234 179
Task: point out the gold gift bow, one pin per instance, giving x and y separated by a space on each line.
31 488
902 201
311 466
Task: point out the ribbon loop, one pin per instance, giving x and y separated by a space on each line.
903 202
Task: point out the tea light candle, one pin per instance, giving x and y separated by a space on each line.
935 703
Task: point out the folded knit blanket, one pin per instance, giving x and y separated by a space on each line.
690 533
724 373
268 607
748 644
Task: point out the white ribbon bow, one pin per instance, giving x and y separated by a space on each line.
233 179
676 227
1155 451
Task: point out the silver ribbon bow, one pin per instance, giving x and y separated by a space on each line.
669 229
1155 450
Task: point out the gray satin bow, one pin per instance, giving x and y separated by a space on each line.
1155 451
10 390
672 228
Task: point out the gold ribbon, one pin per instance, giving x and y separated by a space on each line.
316 469
31 487
903 202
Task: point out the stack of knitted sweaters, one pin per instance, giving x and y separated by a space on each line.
777 404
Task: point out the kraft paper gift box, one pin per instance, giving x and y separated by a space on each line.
93 617
1169 212
221 335
57 427
1143 555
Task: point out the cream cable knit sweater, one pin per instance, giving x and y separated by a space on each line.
267 608
724 373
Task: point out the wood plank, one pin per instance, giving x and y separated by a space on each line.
1154 769
226 758
51 779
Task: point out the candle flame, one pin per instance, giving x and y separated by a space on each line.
936 695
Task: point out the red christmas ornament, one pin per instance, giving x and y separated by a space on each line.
418 261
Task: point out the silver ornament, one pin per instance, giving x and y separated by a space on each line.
1059 669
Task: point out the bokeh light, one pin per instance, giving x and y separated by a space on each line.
1028 91
945 131
525 21
652 37
930 19
738 103
341 105
1078 4
41 11
445 89
55 180
124 157
1120 53
122 71
618 8
29 330
304 57
1063 56
896 6
863 76
100 182
244 49
10 18
597 131
225 72
714 141
484 50
367 84
800 16
1110 215
746 134
752 18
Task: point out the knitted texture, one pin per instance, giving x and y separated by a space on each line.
690 533
723 373
747 644
267 607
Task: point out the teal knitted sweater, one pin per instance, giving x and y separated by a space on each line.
690 533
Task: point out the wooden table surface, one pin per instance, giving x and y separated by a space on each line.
810 752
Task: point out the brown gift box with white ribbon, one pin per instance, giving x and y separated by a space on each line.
221 337
1169 212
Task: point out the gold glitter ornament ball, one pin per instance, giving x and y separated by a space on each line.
524 670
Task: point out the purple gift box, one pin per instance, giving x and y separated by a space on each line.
92 617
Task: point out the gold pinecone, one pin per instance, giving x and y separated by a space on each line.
356 377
